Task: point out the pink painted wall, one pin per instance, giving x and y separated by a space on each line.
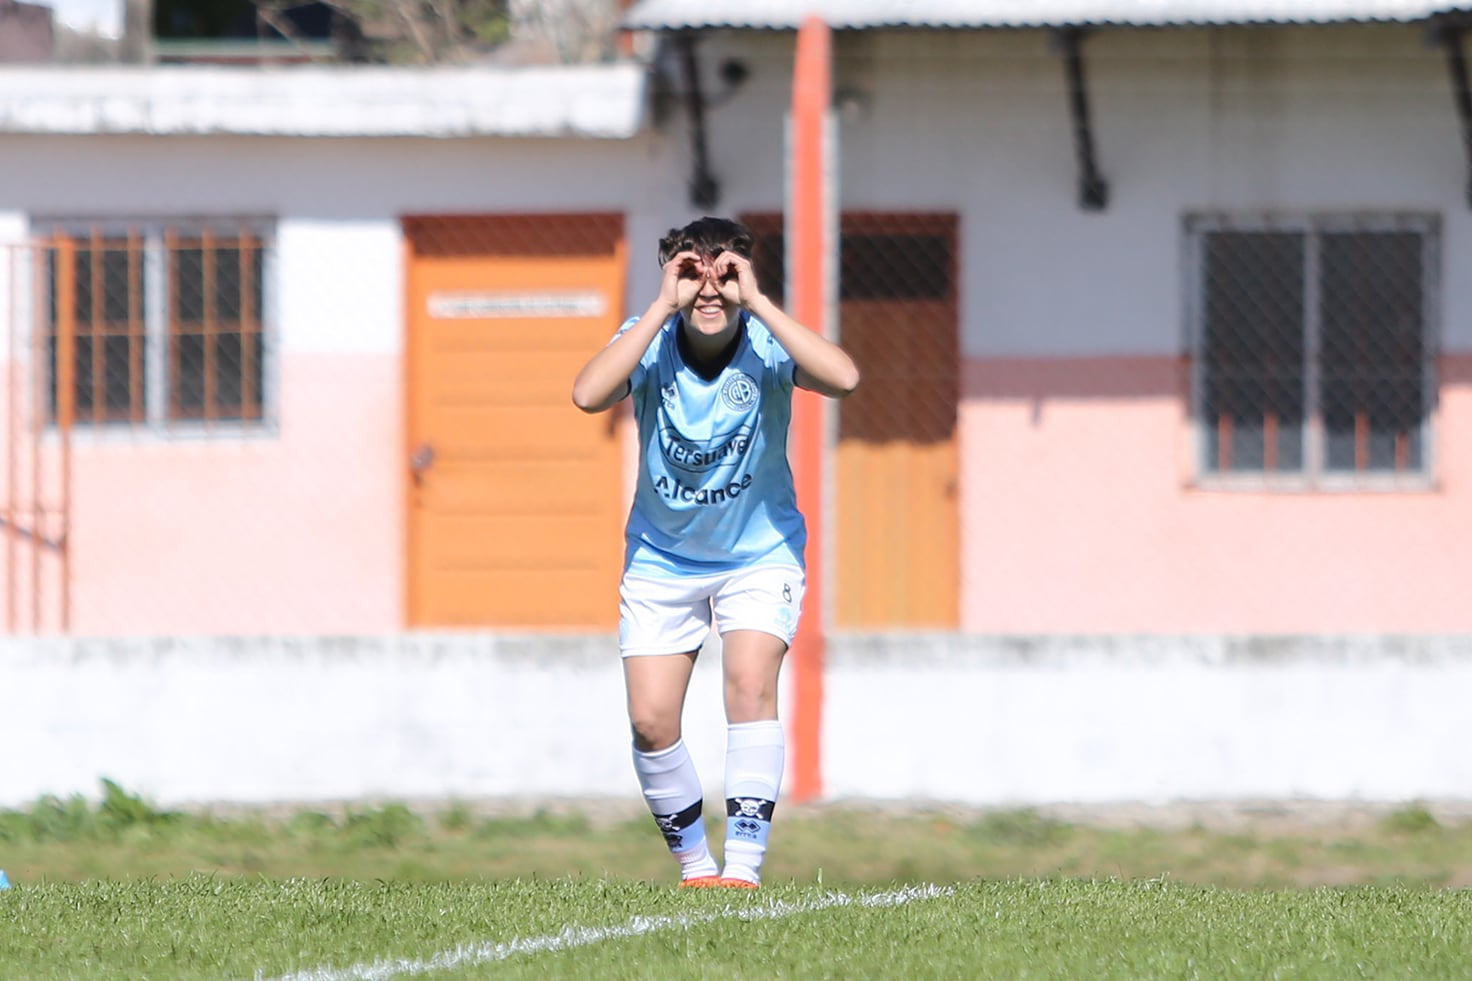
1080 515
296 531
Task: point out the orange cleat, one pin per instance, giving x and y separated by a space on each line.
730 882
702 882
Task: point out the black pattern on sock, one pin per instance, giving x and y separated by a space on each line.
670 825
753 807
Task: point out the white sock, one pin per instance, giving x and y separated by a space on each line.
755 754
672 790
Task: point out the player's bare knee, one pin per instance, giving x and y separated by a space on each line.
654 733
750 700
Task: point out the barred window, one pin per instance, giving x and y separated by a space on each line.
166 321
1314 360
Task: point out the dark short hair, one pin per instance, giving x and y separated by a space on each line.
707 237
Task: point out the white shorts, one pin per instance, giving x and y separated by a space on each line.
673 616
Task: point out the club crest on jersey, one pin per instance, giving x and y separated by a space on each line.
739 391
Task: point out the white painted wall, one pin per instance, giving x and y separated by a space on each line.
970 720
1292 119
338 202
340 286
1327 119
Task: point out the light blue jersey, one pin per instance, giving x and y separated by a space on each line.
715 490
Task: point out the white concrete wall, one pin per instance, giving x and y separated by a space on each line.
1101 719
426 716
941 718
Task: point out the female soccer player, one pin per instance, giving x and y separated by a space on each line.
714 530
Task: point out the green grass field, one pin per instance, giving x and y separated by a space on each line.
123 890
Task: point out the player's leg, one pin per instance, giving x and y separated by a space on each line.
757 612
755 748
660 633
656 690
655 685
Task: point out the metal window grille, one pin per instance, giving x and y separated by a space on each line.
1314 349
168 323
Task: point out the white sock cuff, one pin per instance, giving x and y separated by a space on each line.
749 735
755 755
665 760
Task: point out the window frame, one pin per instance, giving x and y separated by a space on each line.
1313 476
159 333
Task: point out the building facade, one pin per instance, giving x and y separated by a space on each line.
1167 378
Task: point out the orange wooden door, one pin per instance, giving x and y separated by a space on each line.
899 535
897 528
514 497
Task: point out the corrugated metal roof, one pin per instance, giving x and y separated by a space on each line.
604 101
858 14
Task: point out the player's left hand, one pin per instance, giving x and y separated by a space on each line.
734 278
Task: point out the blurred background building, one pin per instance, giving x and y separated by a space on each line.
1154 487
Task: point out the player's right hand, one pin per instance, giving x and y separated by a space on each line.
683 275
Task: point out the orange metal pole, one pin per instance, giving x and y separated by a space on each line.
807 217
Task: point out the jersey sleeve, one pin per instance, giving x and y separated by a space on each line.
780 365
641 370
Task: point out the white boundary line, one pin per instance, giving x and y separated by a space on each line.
577 936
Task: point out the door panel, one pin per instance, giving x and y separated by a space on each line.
898 464
898 522
897 461
515 499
